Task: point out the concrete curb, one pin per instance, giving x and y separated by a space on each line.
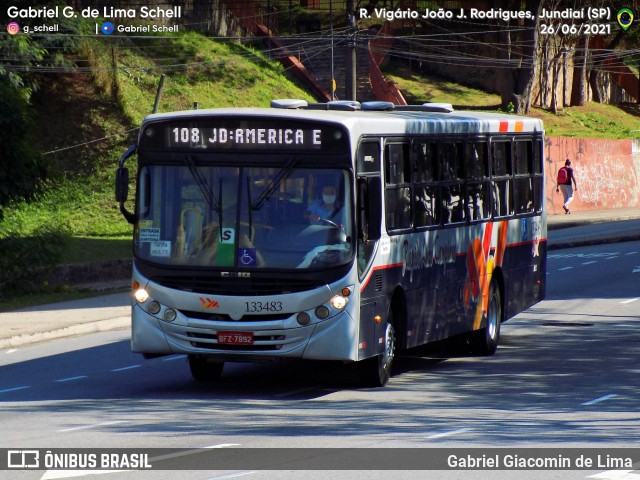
70 331
592 241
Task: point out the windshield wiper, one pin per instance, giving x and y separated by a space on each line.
202 184
250 209
274 184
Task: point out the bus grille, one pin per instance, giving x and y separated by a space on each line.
223 317
236 286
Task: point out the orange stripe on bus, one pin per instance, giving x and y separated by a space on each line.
519 126
379 267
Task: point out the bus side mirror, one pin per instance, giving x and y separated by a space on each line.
369 208
122 184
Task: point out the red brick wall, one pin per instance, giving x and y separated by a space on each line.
604 170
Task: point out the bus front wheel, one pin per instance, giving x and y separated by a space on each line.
485 341
377 370
204 369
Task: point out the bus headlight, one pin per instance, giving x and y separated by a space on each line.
141 295
303 318
322 312
338 302
153 308
170 315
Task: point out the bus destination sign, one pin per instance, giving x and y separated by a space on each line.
234 134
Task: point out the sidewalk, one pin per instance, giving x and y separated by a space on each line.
581 229
111 312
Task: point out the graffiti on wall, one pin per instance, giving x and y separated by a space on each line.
604 171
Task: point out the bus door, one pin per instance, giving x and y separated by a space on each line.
369 217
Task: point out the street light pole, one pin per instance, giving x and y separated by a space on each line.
350 68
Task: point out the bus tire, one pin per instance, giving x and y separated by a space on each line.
485 341
377 370
203 369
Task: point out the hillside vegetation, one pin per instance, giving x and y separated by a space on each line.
594 120
86 116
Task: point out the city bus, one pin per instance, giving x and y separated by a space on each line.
434 227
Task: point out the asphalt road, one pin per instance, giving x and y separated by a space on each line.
567 374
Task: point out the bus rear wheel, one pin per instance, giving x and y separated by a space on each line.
377 370
203 369
485 341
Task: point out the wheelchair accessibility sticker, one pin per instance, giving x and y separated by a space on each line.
246 257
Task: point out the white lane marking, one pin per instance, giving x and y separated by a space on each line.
232 475
122 369
601 399
631 253
86 427
295 392
616 475
624 302
71 379
564 268
589 263
15 389
636 269
448 434
172 358
58 474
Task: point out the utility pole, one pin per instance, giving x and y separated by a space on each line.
350 67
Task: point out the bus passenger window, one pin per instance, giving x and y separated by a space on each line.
478 201
523 159
397 164
453 210
475 161
398 190
502 202
452 161
398 209
426 206
524 193
425 162
501 161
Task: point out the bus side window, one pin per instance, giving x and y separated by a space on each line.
477 172
501 179
425 205
398 189
425 191
524 186
452 189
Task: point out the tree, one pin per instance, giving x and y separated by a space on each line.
518 81
21 169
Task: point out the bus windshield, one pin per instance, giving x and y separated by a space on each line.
244 217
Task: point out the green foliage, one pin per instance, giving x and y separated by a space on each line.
25 259
18 53
21 169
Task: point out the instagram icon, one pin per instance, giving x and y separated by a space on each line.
13 28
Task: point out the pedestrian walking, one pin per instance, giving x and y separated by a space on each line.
565 177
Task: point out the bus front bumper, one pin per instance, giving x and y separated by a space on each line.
332 339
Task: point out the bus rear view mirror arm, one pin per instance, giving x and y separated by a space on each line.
122 184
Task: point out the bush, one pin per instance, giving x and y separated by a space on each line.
21 169
25 260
